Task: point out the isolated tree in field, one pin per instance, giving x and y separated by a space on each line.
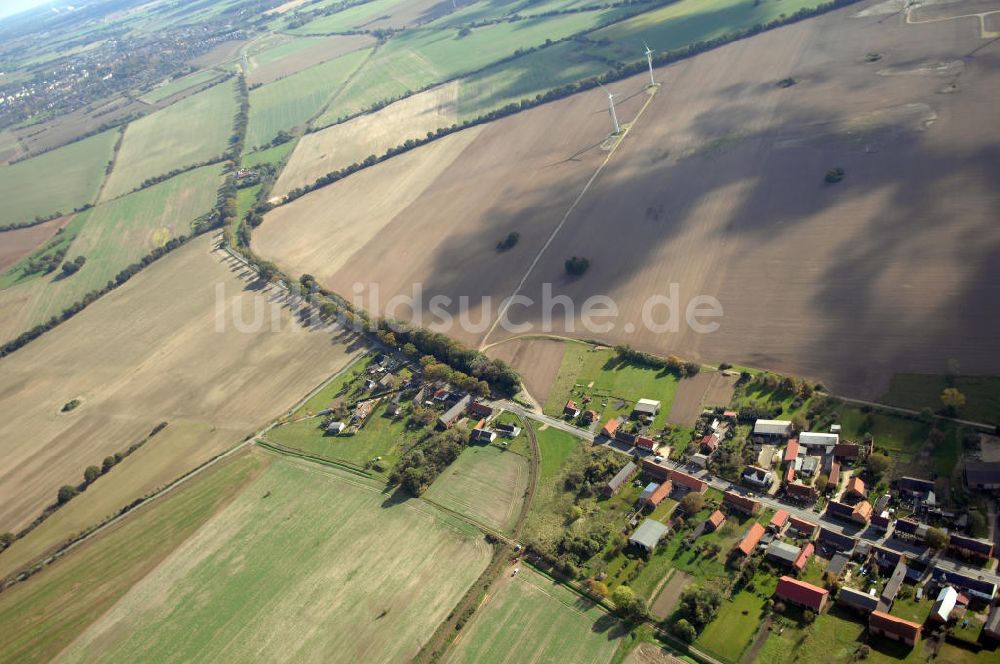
936 538
879 464
684 631
91 474
952 399
66 493
693 503
577 265
622 597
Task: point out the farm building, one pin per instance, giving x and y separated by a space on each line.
772 429
739 503
915 487
855 488
804 555
645 443
335 428
783 553
659 494
778 521
801 594
452 415
848 452
757 477
750 539
983 476
971 548
944 605
857 600
802 527
611 427
482 436
892 586
619 480
648 535
833 478
648 491
646 408
818 442
992 626
716 519
891 627
791 451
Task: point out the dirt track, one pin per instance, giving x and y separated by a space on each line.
719 189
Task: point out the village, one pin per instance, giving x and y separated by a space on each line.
812 510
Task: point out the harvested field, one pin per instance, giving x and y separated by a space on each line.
56 181
894 289
537 361
350 142
169 89
42 616
124 357
705 390
16 244
486 484
531 618
665 602
190 131
294 55
647 653
377 14
61 130
266 576
110 236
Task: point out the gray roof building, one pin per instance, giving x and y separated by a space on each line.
648 535
857 600
772 428
623 476
782 552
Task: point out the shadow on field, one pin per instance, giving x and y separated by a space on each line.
394 496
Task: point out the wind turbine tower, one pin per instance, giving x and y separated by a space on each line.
611 106
649 61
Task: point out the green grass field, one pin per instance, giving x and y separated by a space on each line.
113 235
245 198
531 618
293 100
613 385
273 155
42 616
486 484
555 446
305 564
919 391
56 181
351 18
734 627
178 85
193 130
418 59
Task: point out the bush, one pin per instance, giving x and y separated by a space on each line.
684 631
508 242
66 493
577 265
834 175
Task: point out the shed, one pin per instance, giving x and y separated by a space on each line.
648 535
647 408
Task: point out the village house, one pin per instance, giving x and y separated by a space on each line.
803 528
478 409
791 451
710 443
803 558
619 480
739 503
778 522
571 409
836 541
772 430
751 538
590 416
688 482
982 590
508 430
624 437
801 492
801 594
891 627
481 435
837 565
847 452
646 443
970 548
611 427
647 492
757 477
910 531
944 605
833 476
855 488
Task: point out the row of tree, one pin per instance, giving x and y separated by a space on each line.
668 363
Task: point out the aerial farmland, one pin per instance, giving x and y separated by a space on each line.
644 331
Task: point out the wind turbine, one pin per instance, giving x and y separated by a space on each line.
611 105
649 60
